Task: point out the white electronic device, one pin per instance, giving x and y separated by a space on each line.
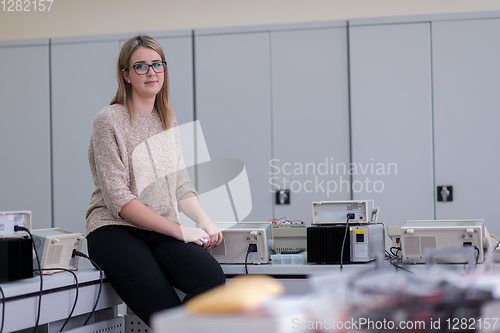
419 235
394 233
289 237
55 249
334 212
238 238
8 220
367 241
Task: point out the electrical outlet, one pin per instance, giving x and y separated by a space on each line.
445 193
283 197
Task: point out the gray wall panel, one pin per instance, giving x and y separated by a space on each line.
392 119
25 179
270 27
83 82
233 106
424 18
179 54
466 117
310 110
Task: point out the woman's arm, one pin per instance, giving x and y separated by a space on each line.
189 205
139 214
188 201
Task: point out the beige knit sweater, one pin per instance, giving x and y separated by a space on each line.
134 161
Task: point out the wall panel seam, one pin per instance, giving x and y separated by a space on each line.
434 189
51 138
349 106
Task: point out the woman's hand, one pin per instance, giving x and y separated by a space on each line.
213 231
190 206
139 214
194 235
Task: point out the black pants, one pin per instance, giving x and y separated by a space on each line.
144 266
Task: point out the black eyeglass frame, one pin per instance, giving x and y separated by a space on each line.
164 63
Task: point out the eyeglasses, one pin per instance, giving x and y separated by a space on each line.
142 69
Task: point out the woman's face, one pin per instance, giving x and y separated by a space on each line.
144 86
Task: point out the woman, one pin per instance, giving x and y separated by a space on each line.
133 229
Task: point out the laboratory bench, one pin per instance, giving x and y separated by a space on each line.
295 277
59 291
58 297
303 305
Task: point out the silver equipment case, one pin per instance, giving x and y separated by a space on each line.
10 219
417 236
55 249
367 241
237 238
335 212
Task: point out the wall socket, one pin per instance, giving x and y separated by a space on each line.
283 197
445 193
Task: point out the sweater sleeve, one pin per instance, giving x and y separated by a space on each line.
183 183
111 170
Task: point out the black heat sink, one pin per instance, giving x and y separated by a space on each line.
16 259
324 244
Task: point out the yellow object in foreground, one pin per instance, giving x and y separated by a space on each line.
242 293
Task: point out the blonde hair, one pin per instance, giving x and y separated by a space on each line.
124 91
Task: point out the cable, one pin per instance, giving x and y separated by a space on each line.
76 297
20 228
251 248
3 309
282 221
278 222
349 216
498 240
391 261
80 254
397 248
246 260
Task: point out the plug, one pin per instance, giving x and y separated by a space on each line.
252 248
79 254
20 228
351 216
